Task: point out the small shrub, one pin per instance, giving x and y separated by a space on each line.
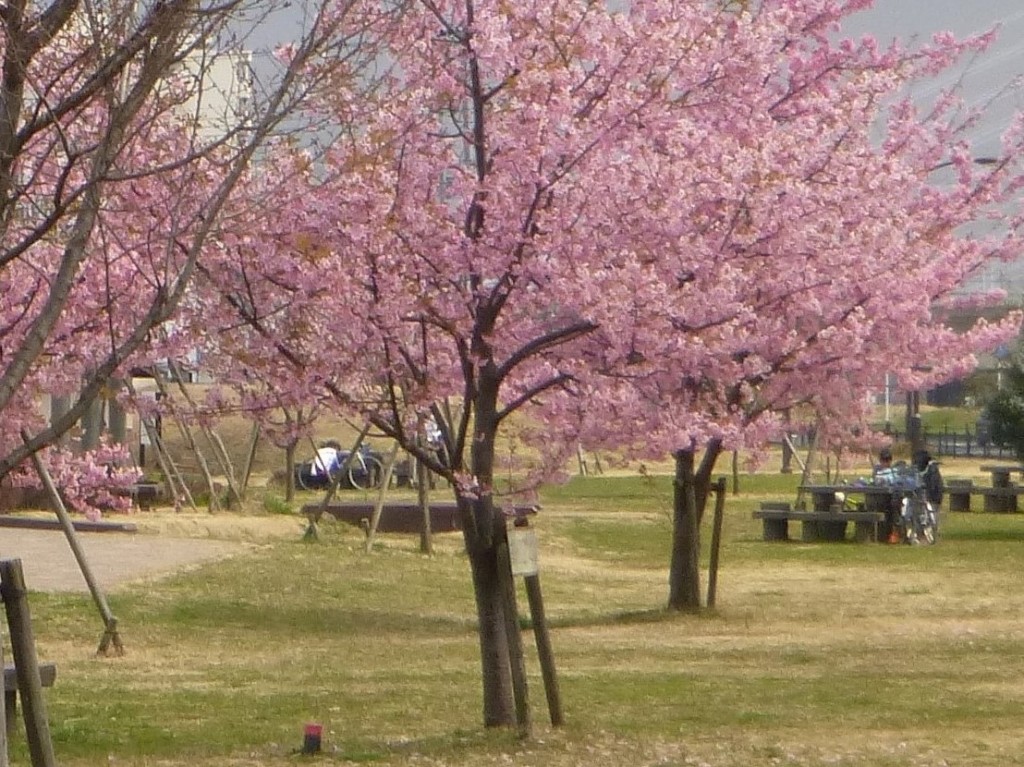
273 504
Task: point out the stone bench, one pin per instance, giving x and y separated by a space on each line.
817 525
958 494
999 500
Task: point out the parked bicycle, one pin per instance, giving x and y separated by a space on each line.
917 521
364 471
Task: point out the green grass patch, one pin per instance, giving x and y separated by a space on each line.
816 654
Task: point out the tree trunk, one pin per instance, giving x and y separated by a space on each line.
484 531
684 572
692 488
495 664
289 471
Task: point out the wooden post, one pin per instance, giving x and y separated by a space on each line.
186 434
544 651
110 635
26 664
378 507
524 562
4 756
250 456
514 637
423 498
716 540
735 472
176 487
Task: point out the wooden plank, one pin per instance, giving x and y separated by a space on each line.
47 676
397 517
821 516
80 525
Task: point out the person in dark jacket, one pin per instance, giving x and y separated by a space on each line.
931 477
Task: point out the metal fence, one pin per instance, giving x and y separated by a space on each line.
964 444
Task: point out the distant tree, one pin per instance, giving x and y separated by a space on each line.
1005 411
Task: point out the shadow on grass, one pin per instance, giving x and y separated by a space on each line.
621 618
1006 534
333 620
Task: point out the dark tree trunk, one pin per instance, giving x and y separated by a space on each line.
289 467
484 532
495 666
692 487
684 573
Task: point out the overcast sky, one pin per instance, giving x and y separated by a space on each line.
985 78
988 79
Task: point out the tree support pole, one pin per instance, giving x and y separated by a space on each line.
378 507
515 638
5 760
544 651
26 664
716 540
110 635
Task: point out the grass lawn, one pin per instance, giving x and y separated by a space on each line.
824 654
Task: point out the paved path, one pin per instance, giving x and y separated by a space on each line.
114 558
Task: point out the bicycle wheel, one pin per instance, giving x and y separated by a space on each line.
365 473
929 533
303 477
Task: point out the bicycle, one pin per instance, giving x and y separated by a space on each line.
364 471
917 523
917 519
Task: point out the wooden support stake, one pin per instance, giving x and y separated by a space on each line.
789 442
110 634
515 638
176 486
5 760
378 507
186 434
250 456
544 651
26 664
582 460
423 500
716 540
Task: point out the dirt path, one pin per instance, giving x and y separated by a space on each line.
165 544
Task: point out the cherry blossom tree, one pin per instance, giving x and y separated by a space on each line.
655 224
116 157
845 219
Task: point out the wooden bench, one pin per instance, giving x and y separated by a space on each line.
817 525
403 517
396 517
47 676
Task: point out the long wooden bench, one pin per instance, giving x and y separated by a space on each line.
396 517
47 676
817 525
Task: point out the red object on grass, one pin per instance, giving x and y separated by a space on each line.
312 738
